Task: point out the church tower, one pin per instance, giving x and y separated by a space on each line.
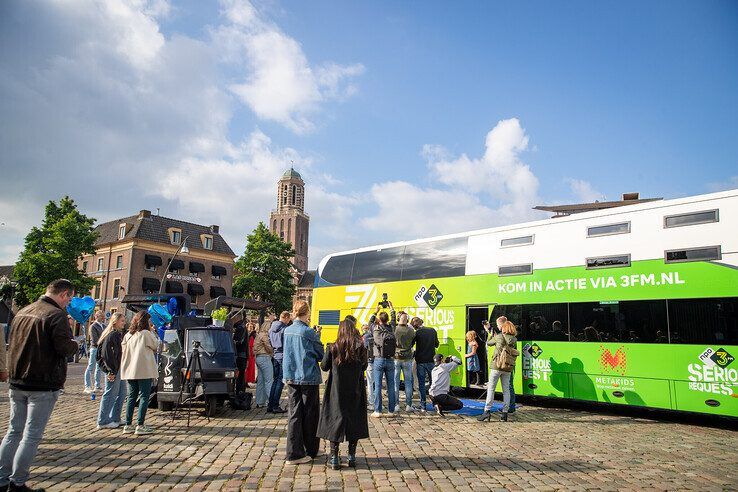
289 220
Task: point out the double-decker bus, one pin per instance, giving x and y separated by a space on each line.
634 305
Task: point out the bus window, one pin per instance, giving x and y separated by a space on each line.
513 312
619 321
444 258
337 270
377 266
704 321
545 322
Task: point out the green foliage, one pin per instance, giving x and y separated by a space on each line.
52 251
266 270
220 314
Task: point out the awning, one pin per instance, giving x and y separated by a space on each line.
151 284
219 271
195 289
172 287
196 267
176 265
152 260
216 291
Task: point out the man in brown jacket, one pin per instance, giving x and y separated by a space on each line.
40 342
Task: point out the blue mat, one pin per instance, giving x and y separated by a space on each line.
472 408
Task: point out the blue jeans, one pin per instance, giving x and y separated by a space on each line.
111 403
406 367
264 381
141 389
424 370
384 367
370 383
92 365
504 378
277 385
29 414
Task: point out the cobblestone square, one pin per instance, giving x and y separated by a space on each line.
542 449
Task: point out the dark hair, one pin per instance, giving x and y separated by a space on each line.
140 322
351 317
60 286
383 317
349 344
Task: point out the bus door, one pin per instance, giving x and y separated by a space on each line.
475 316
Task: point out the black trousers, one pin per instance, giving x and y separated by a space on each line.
352 447
241 363
447 402
303 413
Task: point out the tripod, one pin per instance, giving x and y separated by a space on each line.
194 367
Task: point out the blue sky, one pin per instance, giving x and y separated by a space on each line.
383 106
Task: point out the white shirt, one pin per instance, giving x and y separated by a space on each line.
441 376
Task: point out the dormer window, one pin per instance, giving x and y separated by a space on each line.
207 242
175 235
121 231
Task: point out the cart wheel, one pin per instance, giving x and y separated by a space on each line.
211 405
166 406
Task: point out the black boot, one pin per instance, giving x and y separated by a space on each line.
335 461
485 416
503 417
352 455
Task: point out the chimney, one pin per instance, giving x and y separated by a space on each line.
631 196
144 214
214 229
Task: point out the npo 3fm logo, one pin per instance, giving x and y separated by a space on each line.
714 374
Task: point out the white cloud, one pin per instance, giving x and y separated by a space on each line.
730 184
583 191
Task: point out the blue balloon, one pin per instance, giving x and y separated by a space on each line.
81 308
159 315
172 306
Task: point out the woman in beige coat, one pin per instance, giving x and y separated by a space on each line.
138 367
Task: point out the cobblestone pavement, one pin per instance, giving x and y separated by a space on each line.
542 449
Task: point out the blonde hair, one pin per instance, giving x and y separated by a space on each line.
471 336
508 328
300 308
111 326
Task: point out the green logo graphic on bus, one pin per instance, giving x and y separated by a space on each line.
722 358
433 296
533 350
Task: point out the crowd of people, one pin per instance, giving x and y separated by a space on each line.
285 352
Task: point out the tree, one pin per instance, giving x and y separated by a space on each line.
266 269
53 250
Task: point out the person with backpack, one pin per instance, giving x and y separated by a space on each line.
503 362
426 343
109 353
405 336
385 345
343 414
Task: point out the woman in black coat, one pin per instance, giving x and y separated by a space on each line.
343 414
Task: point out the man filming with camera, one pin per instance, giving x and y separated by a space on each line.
382 328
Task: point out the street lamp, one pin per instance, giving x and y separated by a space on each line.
182 249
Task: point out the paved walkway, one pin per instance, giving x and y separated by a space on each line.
543 449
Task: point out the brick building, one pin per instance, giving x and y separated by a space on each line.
290 222
133 253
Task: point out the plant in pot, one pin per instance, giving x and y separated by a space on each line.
219 316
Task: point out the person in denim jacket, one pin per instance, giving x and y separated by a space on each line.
303 351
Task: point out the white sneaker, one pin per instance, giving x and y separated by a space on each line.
87 390
111 425
409 408
300 461
376 414
423 410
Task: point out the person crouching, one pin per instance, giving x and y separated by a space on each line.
441 384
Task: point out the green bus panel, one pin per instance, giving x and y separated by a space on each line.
639 392
554 384
714 398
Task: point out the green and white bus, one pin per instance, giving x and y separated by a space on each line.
634 305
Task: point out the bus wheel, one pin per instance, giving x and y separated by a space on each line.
211 405
166 406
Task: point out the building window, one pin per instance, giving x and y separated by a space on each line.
516 241
113 310
693 254
150 268
208 242
116 288
608 261
609 229
274 226
96 293
692 218
99 264
84 266
294 193
289 228
176 236
119 262
121 231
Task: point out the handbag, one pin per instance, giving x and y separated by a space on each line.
505 359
